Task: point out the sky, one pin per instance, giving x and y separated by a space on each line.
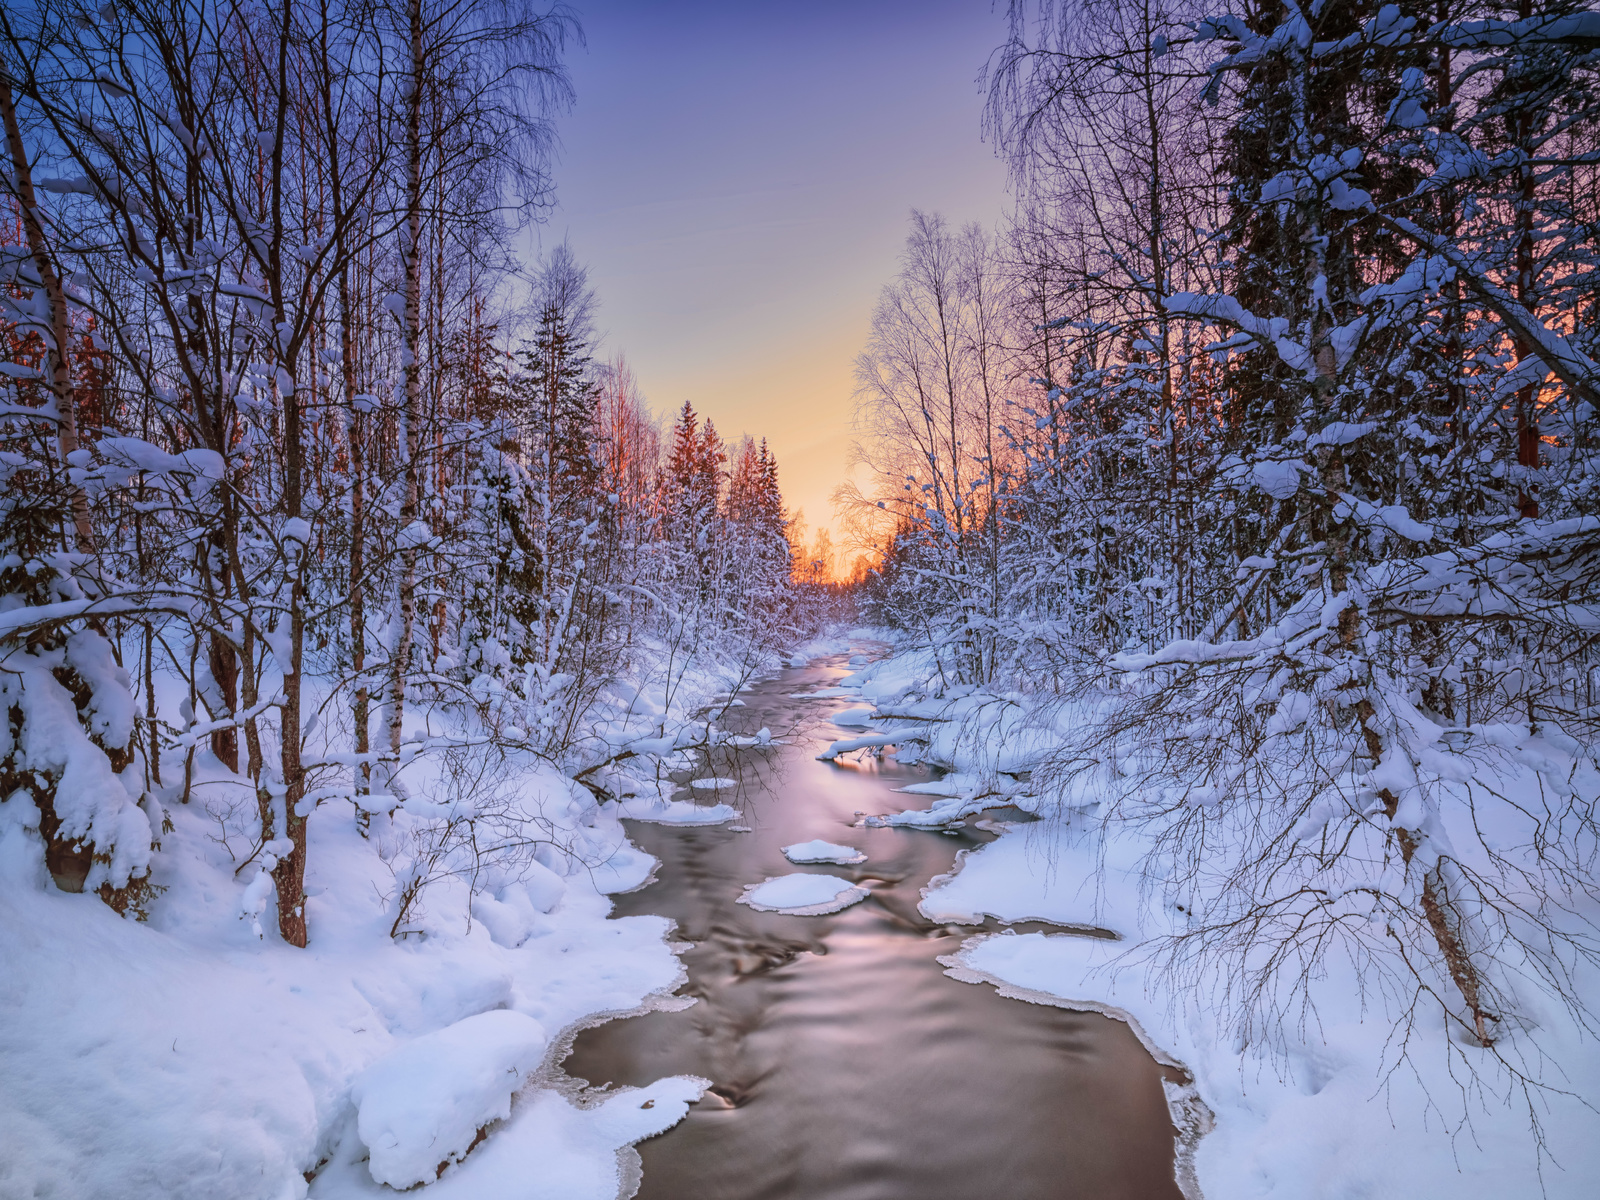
738 177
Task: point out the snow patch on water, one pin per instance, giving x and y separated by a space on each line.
819 851
802 894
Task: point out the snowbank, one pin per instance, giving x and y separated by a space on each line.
1319 1106
1038 871
831 643
549 1149
662 811
423 1103
853 718
187 1057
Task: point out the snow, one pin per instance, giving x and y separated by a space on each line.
870 741
1280 480
803 894
1036 871
802 655
92 801
549 1149
852 718
819 851
137 454
187 1057
661 811
424 1102
712 783
1319 1107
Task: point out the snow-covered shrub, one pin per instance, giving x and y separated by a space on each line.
491 840
68 718
53 750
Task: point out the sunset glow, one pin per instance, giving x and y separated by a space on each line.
772 600
738 178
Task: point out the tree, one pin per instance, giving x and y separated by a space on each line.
1296 468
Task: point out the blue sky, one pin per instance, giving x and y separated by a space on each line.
738 179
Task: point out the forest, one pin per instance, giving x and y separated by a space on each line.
283 437
1229 512
1297 504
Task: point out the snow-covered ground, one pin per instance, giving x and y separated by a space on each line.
1330 1109
195 1054
188 1057
191 1056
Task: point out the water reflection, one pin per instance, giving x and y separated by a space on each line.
846 1065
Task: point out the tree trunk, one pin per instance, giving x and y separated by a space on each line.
406 618
356 435
60 373
1527 417
289 873
1435 900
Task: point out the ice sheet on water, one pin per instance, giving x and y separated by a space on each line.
854 718
819 851
803 895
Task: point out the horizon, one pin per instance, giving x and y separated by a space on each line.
737 228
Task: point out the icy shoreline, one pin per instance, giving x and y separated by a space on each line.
195 1054
185 1057
1315 1109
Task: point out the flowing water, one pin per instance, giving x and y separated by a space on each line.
845 1064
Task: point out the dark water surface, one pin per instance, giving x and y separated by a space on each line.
846 1065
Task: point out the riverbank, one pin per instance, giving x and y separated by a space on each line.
1318 1104
453 945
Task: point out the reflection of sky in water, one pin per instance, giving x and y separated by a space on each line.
738 177
845 1065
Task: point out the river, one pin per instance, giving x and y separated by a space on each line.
846 1065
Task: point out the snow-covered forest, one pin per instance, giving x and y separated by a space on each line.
1241 493
276 436
1231 513
321 512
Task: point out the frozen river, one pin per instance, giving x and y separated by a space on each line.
846 1065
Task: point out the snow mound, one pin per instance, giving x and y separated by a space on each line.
1040 871
423 1103
712 783
819 851
854 718
550 1149
803 895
